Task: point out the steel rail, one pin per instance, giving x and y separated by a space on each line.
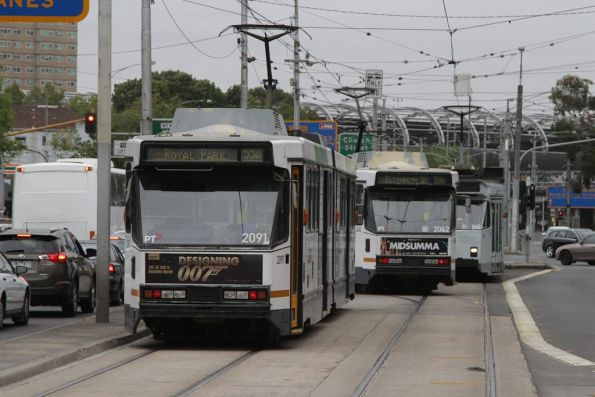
363 385
98 372
488 347
215 374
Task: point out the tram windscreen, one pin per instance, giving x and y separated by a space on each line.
472 216
409 211
241 207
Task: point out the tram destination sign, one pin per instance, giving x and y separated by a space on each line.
413 179
203 269
43 10
205 154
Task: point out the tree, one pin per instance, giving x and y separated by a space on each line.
14 93
9 147
82 104
575 108
48 96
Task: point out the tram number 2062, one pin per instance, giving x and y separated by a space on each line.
255 238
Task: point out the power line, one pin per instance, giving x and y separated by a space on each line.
190 41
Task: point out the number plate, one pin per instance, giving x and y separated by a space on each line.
27 264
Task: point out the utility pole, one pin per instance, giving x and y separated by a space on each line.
485 136
517 161
104 149
147 88
568 193
505 163
244 59
296 71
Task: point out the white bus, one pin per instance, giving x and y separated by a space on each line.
236 226
64 194
406 232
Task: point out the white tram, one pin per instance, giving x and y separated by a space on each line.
232 222
480 223
405 233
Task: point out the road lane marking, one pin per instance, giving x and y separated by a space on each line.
528 330
456 382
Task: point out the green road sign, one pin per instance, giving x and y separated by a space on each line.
161 125
348 141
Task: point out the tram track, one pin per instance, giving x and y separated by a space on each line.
360 390
99 371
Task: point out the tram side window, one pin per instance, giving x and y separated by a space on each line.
359 203
313 197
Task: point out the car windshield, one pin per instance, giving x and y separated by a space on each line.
472 217
409 211
88 244
12 244
243 207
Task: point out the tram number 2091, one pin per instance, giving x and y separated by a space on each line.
255 238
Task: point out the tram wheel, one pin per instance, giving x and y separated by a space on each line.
361 288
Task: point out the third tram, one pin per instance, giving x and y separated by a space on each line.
480 225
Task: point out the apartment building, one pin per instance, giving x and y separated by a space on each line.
34 54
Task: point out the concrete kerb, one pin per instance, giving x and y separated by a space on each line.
529 266
41 365
527 328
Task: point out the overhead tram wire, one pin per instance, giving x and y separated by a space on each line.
190 41
413 15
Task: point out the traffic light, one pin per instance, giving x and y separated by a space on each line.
91 123
560 213
531 197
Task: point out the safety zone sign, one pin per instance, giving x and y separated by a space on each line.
43 10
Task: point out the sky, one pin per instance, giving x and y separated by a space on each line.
410 41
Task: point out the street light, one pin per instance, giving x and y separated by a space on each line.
461 111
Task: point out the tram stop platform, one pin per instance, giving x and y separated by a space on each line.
32 353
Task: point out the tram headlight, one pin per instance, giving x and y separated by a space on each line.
179 294
473 251
167 294
229 294
242 294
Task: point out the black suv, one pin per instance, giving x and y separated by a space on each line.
59 273
558 236
115 268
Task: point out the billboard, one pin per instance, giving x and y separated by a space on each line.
556 198
325 128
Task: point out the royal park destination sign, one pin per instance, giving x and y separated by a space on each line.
43 10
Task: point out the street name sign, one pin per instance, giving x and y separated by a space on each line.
43 10
348 142
161 126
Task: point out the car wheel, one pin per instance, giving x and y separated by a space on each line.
550 251
591 263
88 305
566 258
70 305
23 319
118 296
1 313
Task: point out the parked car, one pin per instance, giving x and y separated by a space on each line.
59 273
557 236
584 250
14 293
115 268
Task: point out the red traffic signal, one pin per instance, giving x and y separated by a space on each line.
560 213
91 123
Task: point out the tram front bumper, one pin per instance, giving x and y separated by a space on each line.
205 310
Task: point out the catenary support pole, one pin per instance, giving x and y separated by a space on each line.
244 59
104 127
516 180
147 94
296 71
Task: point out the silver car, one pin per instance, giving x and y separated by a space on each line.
583 250
15 294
